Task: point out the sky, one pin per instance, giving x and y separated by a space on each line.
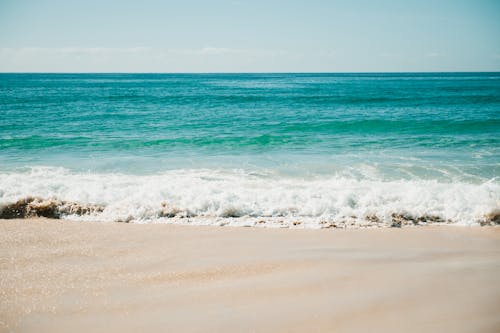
249 36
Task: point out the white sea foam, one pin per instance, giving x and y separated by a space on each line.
241 198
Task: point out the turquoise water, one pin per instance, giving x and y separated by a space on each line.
300 131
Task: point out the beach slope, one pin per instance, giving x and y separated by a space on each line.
63 276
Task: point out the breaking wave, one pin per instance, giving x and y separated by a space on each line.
237 197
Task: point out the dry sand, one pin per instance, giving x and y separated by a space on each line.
62 276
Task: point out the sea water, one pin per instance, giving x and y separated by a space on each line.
254 149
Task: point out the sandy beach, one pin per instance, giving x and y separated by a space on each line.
63 276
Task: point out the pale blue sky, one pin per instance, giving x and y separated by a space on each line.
249 36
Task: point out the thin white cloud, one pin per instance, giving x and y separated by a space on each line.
389 55
72 51
93 51
136 59
220 51
433 55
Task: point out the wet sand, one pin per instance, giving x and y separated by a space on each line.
62 276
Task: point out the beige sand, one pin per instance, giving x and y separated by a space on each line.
61 276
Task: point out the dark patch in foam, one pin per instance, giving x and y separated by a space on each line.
399 220
493 218
231 212
50 208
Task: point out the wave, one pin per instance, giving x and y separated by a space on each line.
238 197
51 208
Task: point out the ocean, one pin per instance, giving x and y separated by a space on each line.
275 150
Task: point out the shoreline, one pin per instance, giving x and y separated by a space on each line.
59 275
36 207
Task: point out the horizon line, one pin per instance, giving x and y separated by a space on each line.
283 72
